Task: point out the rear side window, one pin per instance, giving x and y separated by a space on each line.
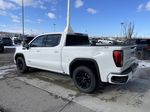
77 40
52 40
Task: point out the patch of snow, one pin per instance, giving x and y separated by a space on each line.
144 64
10 47
7 67
5 70
1 77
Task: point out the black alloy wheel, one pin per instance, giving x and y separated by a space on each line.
21 65
84 79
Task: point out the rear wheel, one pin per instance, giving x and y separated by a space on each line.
84 79
21 65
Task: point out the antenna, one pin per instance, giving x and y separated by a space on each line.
68 28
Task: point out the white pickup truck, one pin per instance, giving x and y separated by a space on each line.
72 54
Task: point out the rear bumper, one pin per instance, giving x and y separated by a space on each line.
124 77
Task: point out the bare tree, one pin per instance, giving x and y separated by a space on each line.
128 30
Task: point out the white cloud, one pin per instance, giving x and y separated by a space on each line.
32 3
148 6
35 3
3 25
43 7
54 2
39 21
3 13
79 3
28 21
12 4
53 8
26 2
140 7
51 15
6 5
91 11
15 19
144 7
15 28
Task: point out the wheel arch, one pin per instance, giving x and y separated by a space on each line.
19 55
91 63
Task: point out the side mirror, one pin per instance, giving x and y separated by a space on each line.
26 46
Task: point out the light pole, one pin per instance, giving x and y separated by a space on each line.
68 26
54 26
23 19
122 23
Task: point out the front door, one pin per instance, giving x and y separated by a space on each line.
48 53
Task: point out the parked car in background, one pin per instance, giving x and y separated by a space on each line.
7 41
104 42
28 39
143 47
1 47
16 40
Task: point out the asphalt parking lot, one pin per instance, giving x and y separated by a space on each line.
42 91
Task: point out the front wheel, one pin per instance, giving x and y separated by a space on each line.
21 65
84 79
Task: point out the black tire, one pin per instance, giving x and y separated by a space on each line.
21 65
84 79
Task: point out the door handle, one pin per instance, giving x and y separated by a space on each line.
37 51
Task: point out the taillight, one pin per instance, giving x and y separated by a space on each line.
118 58
147 48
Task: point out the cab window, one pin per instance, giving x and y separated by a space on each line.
52 40
38 42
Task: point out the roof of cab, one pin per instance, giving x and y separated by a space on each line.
62 33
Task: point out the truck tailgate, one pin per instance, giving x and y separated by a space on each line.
129 57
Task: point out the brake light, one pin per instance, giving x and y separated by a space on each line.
118 58
147 48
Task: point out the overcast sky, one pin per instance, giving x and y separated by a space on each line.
95 17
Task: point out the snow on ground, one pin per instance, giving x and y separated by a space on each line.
144 64
6 70
9 46
7 67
